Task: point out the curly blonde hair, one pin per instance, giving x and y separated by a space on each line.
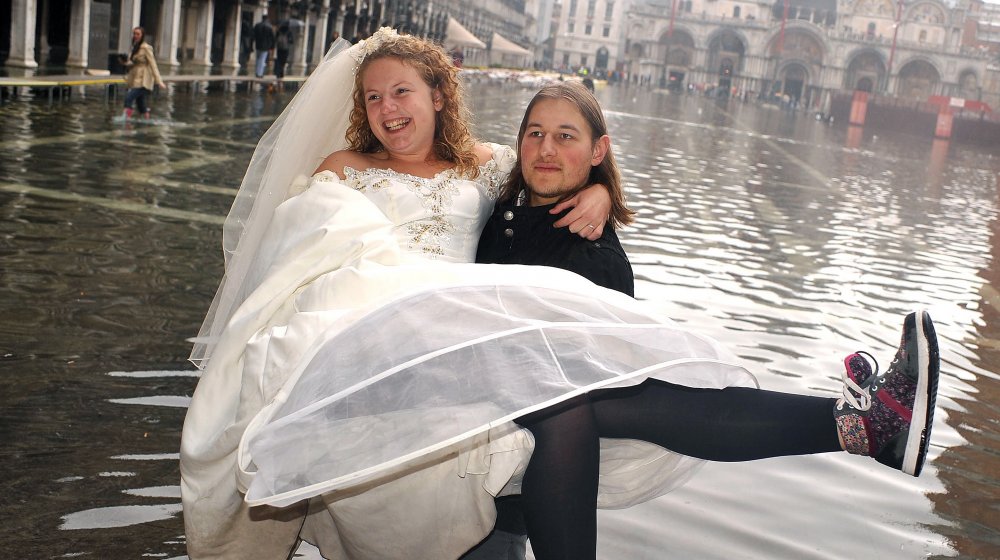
453 141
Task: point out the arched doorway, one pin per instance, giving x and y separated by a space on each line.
725 59
968 84
794 78
918 79
865 72
727 67
601 63
797 57
678 52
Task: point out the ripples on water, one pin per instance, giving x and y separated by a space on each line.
792 241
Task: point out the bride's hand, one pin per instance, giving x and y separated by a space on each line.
590 210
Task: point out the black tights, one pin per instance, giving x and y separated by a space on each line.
559 491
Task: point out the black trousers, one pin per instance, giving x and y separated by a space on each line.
559 491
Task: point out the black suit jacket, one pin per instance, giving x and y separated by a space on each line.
525 235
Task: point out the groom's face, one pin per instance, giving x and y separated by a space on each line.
557 151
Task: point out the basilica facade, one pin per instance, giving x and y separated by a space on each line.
804 50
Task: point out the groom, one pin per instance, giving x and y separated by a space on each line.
563 146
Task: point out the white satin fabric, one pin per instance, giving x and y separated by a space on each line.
373 376
312 126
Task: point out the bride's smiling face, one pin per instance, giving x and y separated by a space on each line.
401 107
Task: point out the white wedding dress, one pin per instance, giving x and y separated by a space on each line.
374 374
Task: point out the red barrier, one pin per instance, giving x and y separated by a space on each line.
944 122
859 108
855 134
959 103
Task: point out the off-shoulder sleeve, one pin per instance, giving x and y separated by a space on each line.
301 183
504 156
326 176
496 171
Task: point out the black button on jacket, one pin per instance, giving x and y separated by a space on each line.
525 235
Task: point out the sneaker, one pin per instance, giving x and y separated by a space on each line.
889 416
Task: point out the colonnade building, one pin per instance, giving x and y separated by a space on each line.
88 34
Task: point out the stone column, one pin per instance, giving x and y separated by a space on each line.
829 78
167 40
699 58
79 34
319 45
42 49
203 33
22 35
297 56
338 23
356 12
381 13
231 49
129 20
258 13
755 69
749 69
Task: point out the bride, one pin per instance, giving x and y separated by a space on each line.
364 269
362 380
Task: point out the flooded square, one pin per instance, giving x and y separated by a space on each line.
793 241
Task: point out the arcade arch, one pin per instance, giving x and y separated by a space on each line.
678 53
601 61
968 84
926 12
918 79
794 80
726 52
798 57
865 72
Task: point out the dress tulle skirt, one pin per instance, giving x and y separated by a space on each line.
444 371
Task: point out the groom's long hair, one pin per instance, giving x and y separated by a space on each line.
605 173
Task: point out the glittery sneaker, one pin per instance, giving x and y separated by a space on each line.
889 416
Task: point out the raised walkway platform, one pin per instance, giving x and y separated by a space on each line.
59 86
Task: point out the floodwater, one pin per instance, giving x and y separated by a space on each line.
792 241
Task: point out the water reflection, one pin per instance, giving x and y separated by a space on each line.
793 241
120 516
971 471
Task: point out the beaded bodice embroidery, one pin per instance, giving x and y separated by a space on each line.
439 217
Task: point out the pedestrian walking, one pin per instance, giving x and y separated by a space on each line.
283 45
142 74
263 37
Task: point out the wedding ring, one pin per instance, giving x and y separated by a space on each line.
591 227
